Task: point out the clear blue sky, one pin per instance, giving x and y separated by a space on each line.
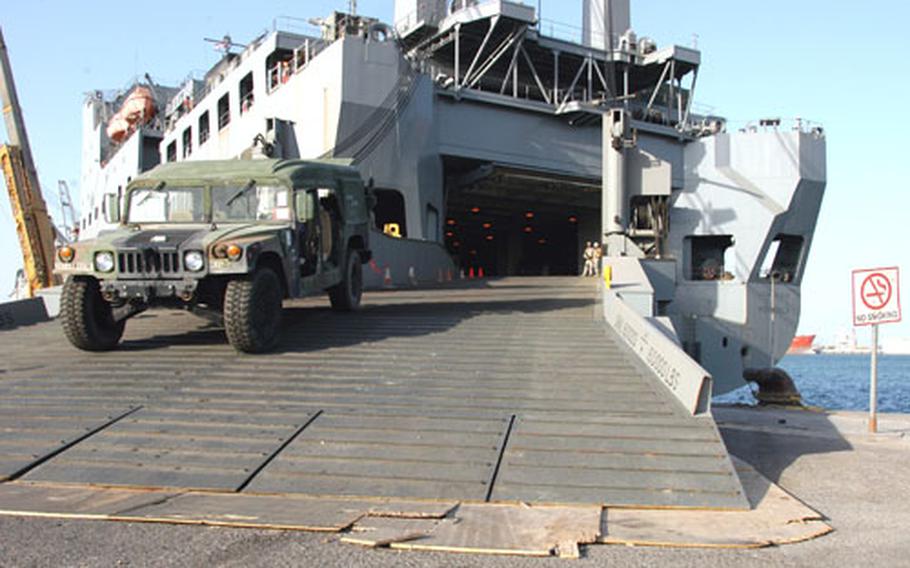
836 62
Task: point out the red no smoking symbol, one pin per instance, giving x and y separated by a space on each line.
876 291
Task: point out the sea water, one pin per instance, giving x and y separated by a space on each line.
841 382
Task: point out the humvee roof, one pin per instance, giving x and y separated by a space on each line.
293 172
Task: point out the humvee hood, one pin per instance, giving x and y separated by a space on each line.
200 237
163 237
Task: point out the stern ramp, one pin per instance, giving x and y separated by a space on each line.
499 391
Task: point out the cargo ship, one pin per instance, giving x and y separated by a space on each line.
497 146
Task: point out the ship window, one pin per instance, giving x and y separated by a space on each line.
203 127
706 257
246 93
224 111
172 151
389 211
783 258
188 141
278 68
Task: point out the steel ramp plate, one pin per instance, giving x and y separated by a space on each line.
428 457
506 390
188 448
567 461
33 433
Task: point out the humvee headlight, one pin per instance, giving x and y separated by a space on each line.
193 261
104 261
66 254
234 252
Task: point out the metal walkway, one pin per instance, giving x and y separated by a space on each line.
504 391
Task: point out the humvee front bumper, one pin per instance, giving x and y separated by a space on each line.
148 290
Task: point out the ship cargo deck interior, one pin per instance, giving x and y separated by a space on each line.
513 222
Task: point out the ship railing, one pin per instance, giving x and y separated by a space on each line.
432 15
279 73
406 23
296 25
572 34
795 124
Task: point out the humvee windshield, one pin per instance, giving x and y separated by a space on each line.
250 203
167 204
229 203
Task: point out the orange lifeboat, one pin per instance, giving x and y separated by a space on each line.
138 108
117 128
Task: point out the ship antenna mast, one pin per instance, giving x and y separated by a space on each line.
224 44
352 7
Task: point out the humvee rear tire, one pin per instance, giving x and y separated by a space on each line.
252 311
345 296
88 321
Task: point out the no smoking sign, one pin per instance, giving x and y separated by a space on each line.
876 296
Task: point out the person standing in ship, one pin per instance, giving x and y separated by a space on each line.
588 257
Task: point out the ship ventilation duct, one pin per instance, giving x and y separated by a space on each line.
604 18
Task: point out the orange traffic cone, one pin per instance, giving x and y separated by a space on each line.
471 273
449 275
480 272
387 281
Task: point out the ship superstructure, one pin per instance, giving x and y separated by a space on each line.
494 145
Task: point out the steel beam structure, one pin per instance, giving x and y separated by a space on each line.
509 57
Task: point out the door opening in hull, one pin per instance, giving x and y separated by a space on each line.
509 222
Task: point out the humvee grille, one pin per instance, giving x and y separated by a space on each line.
151 263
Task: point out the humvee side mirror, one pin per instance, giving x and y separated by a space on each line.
112 208
303 204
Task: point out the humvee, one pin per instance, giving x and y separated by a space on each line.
229 239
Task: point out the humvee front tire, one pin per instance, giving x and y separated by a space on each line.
252 311
88 321
345 296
